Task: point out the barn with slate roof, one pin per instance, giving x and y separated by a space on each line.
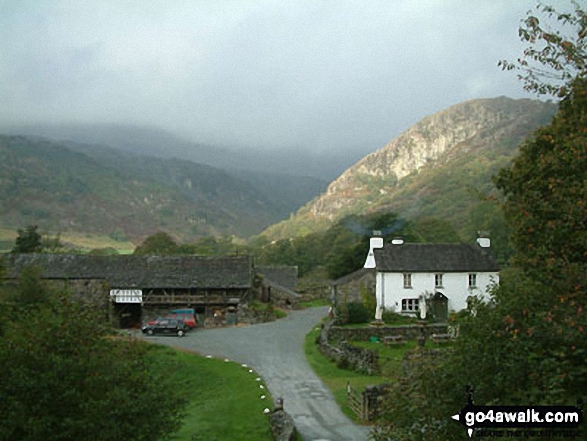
414 277
142 285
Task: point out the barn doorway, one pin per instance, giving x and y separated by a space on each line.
129 315
200 312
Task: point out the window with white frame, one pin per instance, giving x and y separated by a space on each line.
438 280
407 280
409 305
472 280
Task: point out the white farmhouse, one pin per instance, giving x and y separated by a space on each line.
408 274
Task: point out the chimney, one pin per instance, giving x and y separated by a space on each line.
374 242
483 239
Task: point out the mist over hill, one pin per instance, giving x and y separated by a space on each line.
144 140
68 187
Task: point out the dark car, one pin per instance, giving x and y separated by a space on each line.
167 326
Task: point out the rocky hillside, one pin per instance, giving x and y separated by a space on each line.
70 189
436 168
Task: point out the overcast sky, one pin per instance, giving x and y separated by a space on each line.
316 74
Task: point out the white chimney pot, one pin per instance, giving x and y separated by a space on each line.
374 242
484 242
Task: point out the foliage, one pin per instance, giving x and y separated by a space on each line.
118 235
212 246
159 243
28 240
369 300
393 318
546 194
358 313
341 249
433 230
107 251
556 55
64 377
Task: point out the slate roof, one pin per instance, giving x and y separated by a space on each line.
352 276
129 271
284 276
418 257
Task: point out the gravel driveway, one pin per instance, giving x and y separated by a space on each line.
275 350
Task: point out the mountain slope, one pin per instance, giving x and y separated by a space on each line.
432 169
143 140
119 194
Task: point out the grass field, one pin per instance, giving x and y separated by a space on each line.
225 398
82 241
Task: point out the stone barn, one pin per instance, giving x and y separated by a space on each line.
143 287
278 285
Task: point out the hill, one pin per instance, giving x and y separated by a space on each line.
74 189
144 140
438 168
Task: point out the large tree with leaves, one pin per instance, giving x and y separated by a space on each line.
65 376
28 240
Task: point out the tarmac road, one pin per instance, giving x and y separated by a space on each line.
275 350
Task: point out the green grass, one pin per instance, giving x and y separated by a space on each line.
335 378
225 398
82 241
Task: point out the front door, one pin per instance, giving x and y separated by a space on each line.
440 307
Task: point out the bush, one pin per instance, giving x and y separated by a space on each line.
393 318
56 348
358 313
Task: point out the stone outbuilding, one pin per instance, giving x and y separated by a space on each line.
278 285
142 287
351 287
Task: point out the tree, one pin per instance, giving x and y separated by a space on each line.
28 240
158 243
64 376
556 55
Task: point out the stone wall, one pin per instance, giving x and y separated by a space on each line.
350 288
282 424
409 332
349 356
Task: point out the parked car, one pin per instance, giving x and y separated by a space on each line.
185 315
168 326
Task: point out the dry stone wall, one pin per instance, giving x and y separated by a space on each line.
408 332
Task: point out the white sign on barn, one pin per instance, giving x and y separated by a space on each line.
126 295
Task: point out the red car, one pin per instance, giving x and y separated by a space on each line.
185 315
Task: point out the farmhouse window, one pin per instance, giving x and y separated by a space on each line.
410 305
407 280
472 280
438 280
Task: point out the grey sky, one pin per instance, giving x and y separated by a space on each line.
265 73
